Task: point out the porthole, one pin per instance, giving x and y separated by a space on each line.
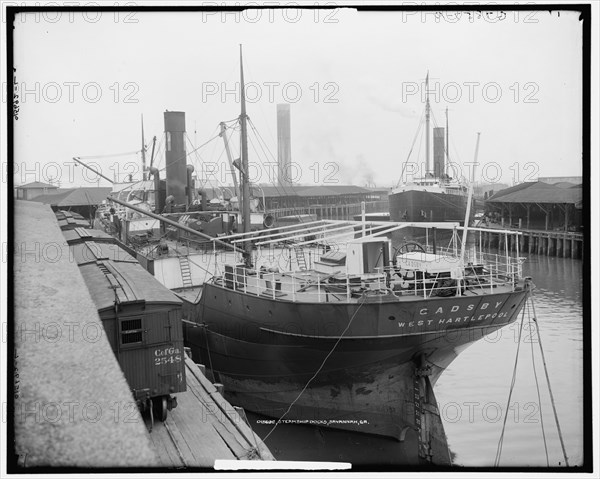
248 307
392 318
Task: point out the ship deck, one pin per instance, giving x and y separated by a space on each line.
316 287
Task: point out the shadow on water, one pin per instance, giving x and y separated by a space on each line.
298 442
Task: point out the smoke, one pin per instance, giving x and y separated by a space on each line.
365 173
393 105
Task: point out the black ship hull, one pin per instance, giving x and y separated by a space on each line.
367 367
419 206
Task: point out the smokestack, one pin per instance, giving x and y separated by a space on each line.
175 156
438 152
284 145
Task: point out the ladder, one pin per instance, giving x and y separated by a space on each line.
186 273
300 258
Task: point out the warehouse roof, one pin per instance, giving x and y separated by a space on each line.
87 195
313 190
539 192
36 184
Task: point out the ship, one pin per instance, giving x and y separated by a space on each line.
340 324
355 331
434 196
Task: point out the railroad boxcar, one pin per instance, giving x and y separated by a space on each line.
142 319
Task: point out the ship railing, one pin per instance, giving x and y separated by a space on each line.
293 286
482 272
500 264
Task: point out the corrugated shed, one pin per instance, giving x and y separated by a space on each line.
539 193
512 189
36 185
83 196
304 191
317 191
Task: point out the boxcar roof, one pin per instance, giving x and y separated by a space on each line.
92 251
126 282
82 234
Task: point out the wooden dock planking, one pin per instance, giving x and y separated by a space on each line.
229 419
202 428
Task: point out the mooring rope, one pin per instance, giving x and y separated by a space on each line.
316 373
512 385
560 436
537 387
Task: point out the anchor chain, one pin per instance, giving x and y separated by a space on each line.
421 423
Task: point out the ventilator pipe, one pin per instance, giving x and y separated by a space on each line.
190 186
158 201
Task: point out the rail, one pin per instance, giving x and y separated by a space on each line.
475 278
483 273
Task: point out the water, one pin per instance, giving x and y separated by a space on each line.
473 392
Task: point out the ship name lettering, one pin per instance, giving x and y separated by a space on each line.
423 312
470 307
458 319
455 309
498 304
440 310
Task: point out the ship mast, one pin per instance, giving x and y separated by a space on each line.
223 134
245 185
469 201
447 144
427 115
143 152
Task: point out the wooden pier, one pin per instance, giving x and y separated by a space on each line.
561 244
204 427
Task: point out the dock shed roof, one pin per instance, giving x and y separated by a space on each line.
539 192
83 196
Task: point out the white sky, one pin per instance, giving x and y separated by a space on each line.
368 63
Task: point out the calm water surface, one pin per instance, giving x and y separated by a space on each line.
473 392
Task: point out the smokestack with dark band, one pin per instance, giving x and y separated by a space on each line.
175 156
284 146
438 152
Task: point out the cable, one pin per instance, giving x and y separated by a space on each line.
537 387
316 373
560 436
411 149
109 155
512 385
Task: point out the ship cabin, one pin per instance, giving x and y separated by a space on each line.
434 185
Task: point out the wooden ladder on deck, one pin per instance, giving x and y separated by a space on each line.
300 258
186 273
